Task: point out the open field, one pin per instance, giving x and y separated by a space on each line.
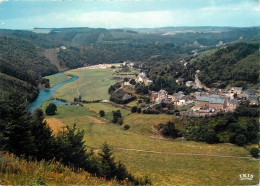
143 123
165 161
92 85
56 79
108 108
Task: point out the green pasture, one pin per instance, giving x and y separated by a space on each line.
141 149
160 163
92 85
56 79
107 107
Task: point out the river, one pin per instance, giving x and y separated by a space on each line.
45 94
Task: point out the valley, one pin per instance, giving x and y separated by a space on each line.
144 150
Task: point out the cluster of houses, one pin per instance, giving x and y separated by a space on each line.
212 101
141 78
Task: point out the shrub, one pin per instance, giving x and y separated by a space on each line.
139 110
102 113
51 109
254 152
126 127
240 139
134 109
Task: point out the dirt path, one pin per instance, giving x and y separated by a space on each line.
185 154
199 84
78 92
96 120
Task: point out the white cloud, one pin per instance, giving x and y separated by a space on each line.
245 6
110 19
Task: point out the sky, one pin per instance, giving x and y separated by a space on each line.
28 14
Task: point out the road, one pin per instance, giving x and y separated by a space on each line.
199 84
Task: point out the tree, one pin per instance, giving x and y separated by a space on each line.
170 130
108 162
102 113
134 109
71 148
126 127
51 109
254 152
139 110
240 139
116 115
15 125
43 138
47 84
132 82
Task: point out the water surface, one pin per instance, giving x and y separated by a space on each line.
45 94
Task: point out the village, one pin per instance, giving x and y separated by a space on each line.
204 101
207 101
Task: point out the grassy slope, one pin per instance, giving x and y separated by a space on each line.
162 163
15 171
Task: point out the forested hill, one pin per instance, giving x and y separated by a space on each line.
200 36
22 66
235 64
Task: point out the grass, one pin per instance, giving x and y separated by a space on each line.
108 108
160 159
56 125
164 167
92 85
18 171
56 79
143 123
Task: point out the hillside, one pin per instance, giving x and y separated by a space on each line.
22 66
235 64
18 171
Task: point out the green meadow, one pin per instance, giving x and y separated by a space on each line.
142 149
91 85
56 79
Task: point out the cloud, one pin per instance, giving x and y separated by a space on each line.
244 6
111 19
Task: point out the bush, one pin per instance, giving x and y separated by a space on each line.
134 109
51 109
139 110
126 127
254 152
102 113
240 139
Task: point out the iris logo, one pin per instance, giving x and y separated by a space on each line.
246 177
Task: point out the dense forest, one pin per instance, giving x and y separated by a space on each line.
206 36
22 66
237 63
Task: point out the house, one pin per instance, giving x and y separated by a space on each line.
232 105
253 100
181 102
216 101
189 83
148 82
236 90
180 81
127 96
158 97
141 77
215 91
154 96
